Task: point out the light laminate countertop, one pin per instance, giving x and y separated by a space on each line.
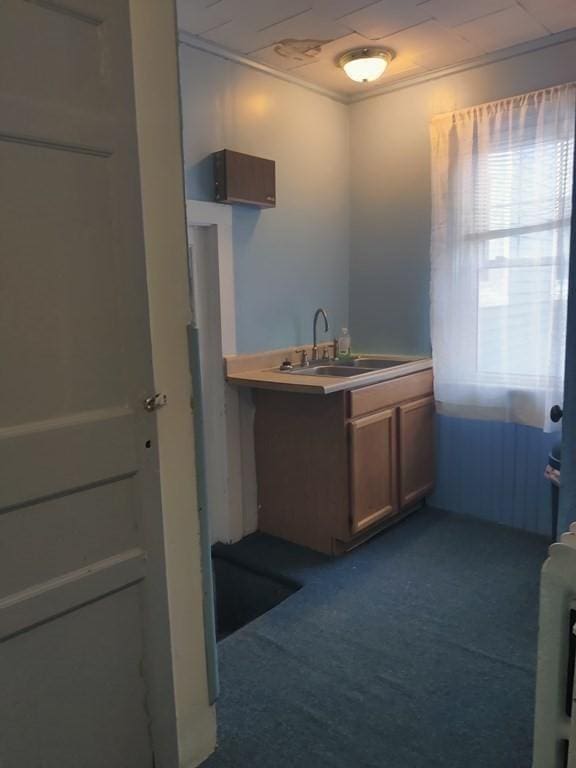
272 378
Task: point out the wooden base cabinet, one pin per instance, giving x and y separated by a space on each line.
333 469
416 450
373 469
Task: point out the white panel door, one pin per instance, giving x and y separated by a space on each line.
78 487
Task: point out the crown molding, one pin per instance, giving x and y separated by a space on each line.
193 41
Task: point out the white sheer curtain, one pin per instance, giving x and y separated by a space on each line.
501 202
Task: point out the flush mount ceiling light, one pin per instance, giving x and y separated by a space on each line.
364 65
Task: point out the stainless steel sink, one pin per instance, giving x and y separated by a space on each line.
354 367
372 363
330 370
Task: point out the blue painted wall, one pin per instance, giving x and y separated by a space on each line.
494 471
295 258
390 166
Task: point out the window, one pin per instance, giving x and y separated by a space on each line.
521 204
502 185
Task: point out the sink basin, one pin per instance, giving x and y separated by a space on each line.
373 363
354 367
330 370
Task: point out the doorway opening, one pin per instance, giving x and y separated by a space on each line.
261 642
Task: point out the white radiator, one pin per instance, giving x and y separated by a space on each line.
555 714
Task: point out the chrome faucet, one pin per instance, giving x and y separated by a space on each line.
319 312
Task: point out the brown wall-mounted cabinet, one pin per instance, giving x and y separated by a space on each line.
240 178
333 469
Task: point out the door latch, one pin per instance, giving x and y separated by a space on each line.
154 402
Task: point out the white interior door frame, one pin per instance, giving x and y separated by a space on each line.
227 412
184 727
203 214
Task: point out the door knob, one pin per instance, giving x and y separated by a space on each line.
154 402
556 413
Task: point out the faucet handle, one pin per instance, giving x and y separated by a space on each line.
304 360
286 364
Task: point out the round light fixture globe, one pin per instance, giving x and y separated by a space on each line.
364 65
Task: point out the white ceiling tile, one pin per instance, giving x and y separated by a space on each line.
425 34
236 35
402 64
232 23
287 58
262 13
557 19
335 48
502 29
436 58
309 25
325 74
428 36
335 9
386 17
454 12
198 16
242 36
555 16
538 5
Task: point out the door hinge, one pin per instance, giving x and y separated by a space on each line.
152 403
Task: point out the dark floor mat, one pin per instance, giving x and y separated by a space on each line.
242 594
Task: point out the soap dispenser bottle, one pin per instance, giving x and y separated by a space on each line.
344 343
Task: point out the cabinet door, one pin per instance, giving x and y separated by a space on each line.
373 468
417 464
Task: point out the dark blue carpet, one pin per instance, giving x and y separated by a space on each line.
416 650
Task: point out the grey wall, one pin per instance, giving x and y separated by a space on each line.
294 258
390 165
